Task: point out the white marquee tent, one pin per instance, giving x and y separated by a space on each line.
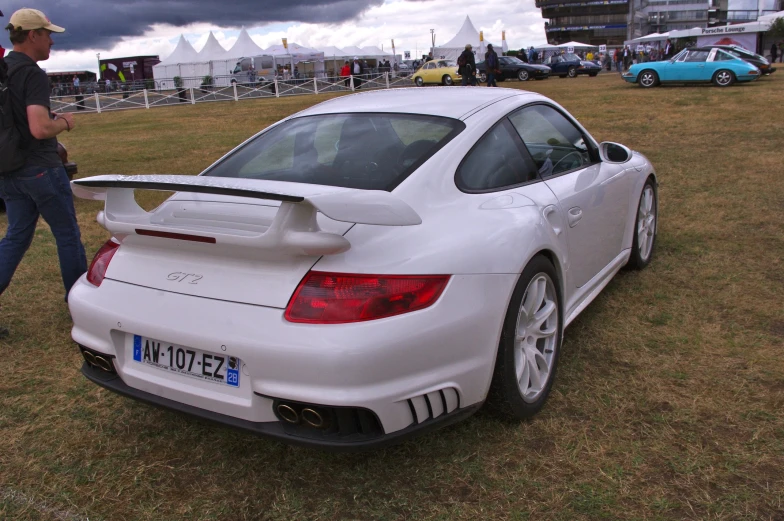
467 34
182 62
244 46
306 59
353 50
212 50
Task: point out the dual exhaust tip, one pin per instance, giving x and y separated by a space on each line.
102 362
296 414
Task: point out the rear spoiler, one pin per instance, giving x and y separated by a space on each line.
294 229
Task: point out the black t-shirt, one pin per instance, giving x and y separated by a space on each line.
30 86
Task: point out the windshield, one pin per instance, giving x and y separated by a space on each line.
366 151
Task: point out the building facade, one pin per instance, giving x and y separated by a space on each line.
611 22
596 22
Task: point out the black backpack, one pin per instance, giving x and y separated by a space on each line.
12 152
461 60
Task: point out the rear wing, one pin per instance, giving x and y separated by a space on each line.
294 229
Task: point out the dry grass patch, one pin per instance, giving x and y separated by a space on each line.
667 404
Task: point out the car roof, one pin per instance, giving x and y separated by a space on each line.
451 102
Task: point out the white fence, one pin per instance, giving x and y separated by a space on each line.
146 99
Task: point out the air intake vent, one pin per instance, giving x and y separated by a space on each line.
432 405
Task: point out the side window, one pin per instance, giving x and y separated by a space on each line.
722 56
697 56
555 144
495 162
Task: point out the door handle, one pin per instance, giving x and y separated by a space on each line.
547 213
574 216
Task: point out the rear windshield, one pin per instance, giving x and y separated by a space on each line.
365 151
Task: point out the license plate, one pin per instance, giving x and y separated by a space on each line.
191 362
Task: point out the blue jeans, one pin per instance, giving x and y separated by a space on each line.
491 79
28 193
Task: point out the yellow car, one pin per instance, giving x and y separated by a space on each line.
443 72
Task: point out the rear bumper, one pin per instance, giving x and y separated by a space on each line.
407 370
274 430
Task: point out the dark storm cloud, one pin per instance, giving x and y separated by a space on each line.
99 24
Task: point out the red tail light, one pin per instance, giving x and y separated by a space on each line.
100 263
337 298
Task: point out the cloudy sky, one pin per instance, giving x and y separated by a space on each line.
117 28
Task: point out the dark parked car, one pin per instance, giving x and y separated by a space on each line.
514 68
571 65
746 55
70 168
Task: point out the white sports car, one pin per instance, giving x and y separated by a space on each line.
366 269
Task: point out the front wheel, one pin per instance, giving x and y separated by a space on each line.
530 342
483 77
723 78
645 226
447 80
419 81
648 78
522 75
572 73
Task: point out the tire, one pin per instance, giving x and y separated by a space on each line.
517 391
419 81
648 79
646 224
447 80
572 72
523 75
483 77
723 78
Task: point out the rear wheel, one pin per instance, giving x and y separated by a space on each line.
572 73
530 342
723 78
522 75
648 78
447 80
419 81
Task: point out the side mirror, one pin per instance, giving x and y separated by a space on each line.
614 152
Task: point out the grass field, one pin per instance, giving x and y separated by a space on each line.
668 402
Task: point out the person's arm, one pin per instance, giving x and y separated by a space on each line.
42 127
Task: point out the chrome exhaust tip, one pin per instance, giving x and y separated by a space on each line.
313 418
288 413
97 360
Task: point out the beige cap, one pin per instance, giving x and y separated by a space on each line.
32 19
468 46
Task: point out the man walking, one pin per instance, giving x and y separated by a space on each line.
491 65
466 66
40 186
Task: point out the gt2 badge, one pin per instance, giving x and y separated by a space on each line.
190 278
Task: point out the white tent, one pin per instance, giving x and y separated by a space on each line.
770 18
334 58
353 50
333 51
576 45
653 37
182 62
212 50
467 34
375 51
312 60
244 46
759 26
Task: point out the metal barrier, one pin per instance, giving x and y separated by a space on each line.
103 102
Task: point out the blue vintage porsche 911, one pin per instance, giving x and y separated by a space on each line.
694 65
